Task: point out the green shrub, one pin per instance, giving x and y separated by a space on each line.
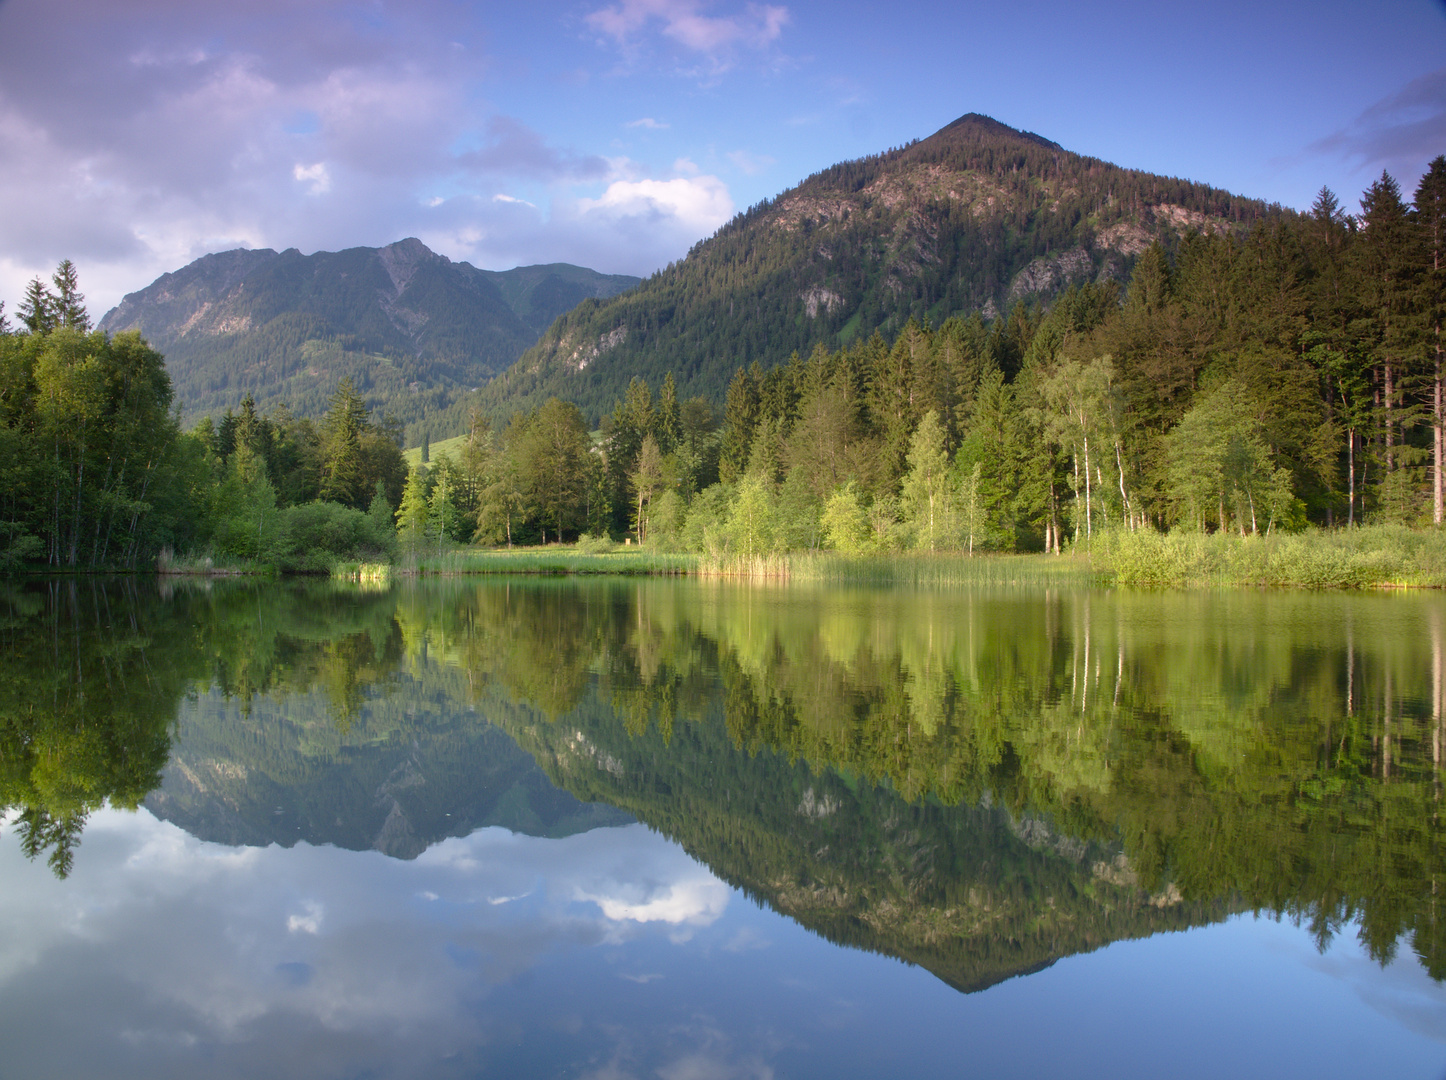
316 535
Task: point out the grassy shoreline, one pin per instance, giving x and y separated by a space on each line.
1370 557
1378 556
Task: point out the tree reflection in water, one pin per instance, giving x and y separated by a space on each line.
978 782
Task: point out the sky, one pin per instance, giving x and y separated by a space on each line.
137 135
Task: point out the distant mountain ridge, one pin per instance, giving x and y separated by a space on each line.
413 329
974 218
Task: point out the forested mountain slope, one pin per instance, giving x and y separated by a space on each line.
412 329
977 217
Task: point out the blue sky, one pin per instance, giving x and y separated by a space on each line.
140 134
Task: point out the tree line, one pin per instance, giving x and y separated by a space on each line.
95 471
1288 375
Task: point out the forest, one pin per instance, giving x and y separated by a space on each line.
1281 377
96 473
1286 377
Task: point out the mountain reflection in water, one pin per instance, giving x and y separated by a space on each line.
976 782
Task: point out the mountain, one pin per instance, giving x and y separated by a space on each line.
276 770
412 329
974 218
973 894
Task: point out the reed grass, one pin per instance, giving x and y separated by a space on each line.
941 570
169 564
554 560
1373 556
366 574
1378 556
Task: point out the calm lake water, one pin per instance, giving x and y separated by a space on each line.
675 829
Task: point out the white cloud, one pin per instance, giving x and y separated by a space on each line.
647 122
697 204
168 131
309 923
697 902
685 23
499 197
316 175
1401 133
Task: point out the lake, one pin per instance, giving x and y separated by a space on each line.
674 828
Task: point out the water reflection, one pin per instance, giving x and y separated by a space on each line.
979 782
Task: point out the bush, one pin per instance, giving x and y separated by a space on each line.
595 545
316 535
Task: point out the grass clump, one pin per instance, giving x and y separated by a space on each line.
368 575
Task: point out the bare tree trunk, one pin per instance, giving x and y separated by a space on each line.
1351 464
1390 420
1438 500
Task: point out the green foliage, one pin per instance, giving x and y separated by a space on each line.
845 522
316 536
1366 557
96 473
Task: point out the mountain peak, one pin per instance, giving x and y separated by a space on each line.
975 218
977 124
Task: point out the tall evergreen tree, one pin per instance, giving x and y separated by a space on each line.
343 476
68 303
1388 265
37 308
1431 218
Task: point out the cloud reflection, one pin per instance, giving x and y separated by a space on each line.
187 956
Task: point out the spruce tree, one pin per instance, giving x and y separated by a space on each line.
1431 219
69 304
1387 266
37 308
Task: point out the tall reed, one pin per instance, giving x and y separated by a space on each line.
1364 557
560 560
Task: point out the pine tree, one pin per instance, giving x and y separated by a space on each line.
1431 219
667 421
1387 267
342 471
68 303
740 417
37 309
